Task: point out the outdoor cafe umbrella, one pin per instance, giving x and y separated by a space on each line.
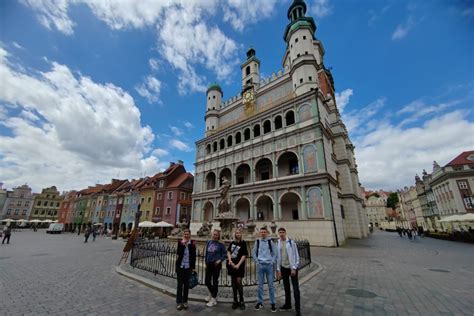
452 218
35 221
469 217
98 224
147 224
163 224
9 220
47 221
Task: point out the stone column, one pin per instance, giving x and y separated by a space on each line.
276 209
304 209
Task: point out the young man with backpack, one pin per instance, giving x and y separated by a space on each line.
288 260
264 255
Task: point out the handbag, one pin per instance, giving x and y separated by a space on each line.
193 279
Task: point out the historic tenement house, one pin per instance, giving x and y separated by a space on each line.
283 146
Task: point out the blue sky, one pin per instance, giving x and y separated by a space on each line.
92 90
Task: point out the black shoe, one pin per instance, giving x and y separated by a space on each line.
179 307
258 306
285 308
273 309
235 305
242 305
298 313
185 306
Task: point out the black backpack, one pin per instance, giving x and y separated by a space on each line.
269 246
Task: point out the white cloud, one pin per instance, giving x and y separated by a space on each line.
154 64
53 14
86 131
16 45
320 8
174 143
402 29
188 124
419 109
241 13
176 131
356 118
389 156
159 152
150 89
342 99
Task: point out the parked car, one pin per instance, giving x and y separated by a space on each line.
55 228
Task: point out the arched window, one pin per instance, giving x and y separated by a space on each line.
208 149
247 134
247 70
256 130
278 122
242 174
210 181
222 144
290 118
214 146
267 127
263 170
229 141
238 138
288 164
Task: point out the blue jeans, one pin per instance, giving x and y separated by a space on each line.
265 271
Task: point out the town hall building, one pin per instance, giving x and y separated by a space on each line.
282 146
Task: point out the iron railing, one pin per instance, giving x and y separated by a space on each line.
159 257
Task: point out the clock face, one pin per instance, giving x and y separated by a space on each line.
248 96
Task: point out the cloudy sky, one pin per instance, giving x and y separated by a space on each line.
91 90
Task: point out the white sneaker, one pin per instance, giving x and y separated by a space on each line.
208 298
212 302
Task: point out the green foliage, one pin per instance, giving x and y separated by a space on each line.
392 200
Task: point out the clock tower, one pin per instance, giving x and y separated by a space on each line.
250 70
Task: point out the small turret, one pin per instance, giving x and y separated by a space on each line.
214 98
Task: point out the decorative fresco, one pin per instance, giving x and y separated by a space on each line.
304 112
315 203
310 158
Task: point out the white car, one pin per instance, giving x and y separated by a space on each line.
55 228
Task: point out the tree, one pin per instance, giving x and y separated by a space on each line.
392 200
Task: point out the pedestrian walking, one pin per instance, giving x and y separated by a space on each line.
288 261
87 234
264 255
185 265
237 252
409 234
215 254
7 233
94 233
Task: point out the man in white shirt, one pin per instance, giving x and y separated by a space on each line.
288 261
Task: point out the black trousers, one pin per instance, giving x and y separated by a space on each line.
7 237
183 285
212 278
286 275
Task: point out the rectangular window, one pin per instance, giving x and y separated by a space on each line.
17 211
185 211
170 195
162 183
149 200
168 210
296 40
304 37
182 195
159 196
157 211
39 203
142 200
462 184
24 212
310 78
9 211
18 203
36 212
301 80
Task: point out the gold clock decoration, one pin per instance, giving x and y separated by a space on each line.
249 102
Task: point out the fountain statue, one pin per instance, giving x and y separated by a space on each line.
225 216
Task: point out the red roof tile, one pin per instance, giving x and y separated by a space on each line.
462 159
180 179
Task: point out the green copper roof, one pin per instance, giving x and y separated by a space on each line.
214 86
299 24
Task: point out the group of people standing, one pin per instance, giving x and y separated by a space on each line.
265 253
410 233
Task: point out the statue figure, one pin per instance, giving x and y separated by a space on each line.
224 204
204 230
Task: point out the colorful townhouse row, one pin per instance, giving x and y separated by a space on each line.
166 196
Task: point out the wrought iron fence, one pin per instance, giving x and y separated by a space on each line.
159 257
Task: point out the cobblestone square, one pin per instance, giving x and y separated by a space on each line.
381 275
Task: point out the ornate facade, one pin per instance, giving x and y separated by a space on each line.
283 146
